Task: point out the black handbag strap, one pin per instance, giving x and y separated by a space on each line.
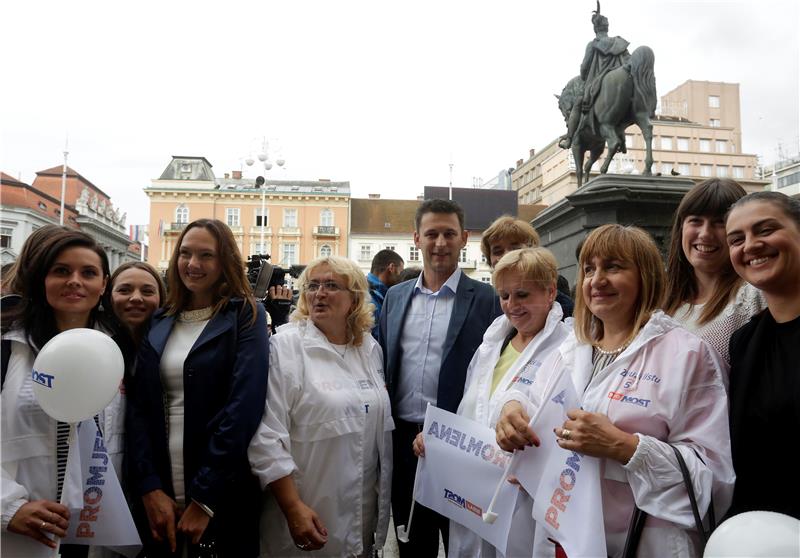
634 533
698 519
638 517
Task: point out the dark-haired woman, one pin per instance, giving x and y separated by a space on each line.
135 291
197 399
704 293
60 284
764 239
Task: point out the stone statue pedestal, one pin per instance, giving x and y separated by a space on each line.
648 202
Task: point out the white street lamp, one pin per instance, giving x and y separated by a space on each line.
263 156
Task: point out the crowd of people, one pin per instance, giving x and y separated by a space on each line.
230 441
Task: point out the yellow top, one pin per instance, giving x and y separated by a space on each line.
507 358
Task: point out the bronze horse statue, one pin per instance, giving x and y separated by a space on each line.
627 96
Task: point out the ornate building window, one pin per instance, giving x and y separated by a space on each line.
181 214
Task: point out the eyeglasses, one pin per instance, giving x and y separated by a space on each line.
329 286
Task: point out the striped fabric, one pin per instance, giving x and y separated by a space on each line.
62 450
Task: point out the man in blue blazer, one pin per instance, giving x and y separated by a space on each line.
429 329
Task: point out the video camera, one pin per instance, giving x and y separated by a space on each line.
262 275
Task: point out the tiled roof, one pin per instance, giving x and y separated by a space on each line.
197 168
10 180
57 171
371 216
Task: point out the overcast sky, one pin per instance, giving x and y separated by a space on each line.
384 95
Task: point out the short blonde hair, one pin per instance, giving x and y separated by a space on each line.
508 228
534 264
360 319
629 244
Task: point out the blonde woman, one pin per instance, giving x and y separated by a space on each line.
324 444
511 353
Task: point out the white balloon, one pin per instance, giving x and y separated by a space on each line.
77 374
755 534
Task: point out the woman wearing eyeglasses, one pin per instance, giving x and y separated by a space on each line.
324 444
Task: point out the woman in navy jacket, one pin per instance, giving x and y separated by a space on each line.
197 398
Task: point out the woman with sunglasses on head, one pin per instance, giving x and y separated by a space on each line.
704 293
764 239
645 385
507 233
197 398
60 283
324 446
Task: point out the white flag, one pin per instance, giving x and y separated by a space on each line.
460 470
567 502
99 512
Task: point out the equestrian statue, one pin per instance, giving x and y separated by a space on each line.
614 90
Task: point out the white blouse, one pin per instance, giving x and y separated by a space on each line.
181 340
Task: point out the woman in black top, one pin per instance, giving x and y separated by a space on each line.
763 231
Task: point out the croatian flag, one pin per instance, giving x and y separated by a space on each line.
567 502
99 514
462 466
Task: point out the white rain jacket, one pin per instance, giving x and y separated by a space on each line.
479 404
312 428
29 447
667 386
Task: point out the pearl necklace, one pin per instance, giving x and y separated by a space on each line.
616 351
199 315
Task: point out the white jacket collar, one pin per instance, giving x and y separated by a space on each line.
501 326
658 324
313 337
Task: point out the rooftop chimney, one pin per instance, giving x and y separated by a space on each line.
227 175
374 196
237 175
519 163
533 152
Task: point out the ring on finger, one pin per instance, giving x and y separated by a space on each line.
44 526
566 433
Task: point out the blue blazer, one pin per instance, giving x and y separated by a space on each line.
476 306
225 388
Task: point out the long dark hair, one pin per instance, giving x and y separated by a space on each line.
144 266
32 313
233 282
712 198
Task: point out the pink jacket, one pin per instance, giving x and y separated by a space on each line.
667 386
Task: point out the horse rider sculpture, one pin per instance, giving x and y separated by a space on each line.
614 90
603 53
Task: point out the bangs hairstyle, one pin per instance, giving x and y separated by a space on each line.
711 198
360 319
537 265
33 313
627 244
515 231
233 282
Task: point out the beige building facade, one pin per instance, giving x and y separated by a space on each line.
697 134
301 220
